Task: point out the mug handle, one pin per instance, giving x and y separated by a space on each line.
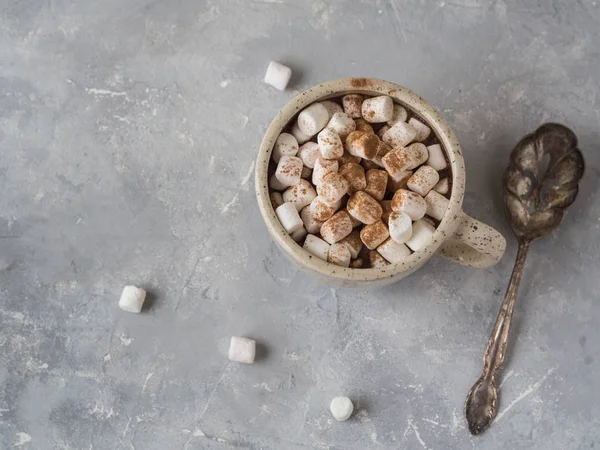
474 244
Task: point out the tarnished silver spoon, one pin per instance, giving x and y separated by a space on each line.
535 203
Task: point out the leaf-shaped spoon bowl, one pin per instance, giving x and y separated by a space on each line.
535 202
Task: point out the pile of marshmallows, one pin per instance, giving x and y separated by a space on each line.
358 195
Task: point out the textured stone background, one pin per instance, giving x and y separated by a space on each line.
128 130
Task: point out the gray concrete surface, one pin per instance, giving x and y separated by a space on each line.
128 131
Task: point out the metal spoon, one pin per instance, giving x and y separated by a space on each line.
535 203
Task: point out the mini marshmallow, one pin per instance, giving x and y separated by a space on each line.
275 184
409 202
316 247
300 194
313 119
299 234
276 199
374 235
342 124
330 144
423 180
278 75
436 157
382 131
382 150
396 162
417 154
361 144
443 186
306 173
386 206
355 221
364 208
377 261
336 228
341 408
399 181
399 115
357 263
378 109
363 125
242 350
332 107
355 175
400 135
354 243
299 135
332 188
309 153
321 210
286 144
339 255
353 105
348 158
323 167
289 170
423 131
400 226
132 299
376 183
437 205
393 252
311 224
289 217
422 234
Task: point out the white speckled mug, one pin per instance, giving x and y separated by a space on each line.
458 236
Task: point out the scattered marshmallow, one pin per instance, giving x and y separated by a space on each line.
339 255
399 115
396 162
242 350
276 199
436 157
422 130
378 109
309 153
342 124
353 105
363 125
355 176
299 234
393 252
289 170
400 226
400 135
311 223
313 119
332 188
300 194
330 144
332 107
423 180
276 185
409 202
382 150
422 234
443 186
354 243
289 217
377 261
417 154
299 135
364 208
361 144
286 144
278 75
336 228
355 221
341 408
437 205
323 167
316 247
132 299
376 183
375 234
322 210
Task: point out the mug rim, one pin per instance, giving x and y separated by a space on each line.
402 96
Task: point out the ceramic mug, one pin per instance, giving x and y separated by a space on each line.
458 236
